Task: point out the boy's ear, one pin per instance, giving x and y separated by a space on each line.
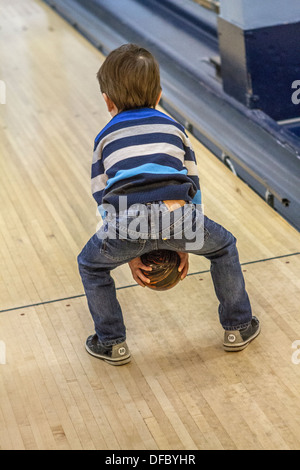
111 107
159 97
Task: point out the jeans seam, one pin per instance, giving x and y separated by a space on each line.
113 258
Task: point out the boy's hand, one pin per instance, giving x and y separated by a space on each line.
136 265
184 264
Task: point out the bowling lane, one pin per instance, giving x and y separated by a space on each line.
181 390
52 113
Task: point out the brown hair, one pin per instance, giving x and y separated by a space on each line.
130 78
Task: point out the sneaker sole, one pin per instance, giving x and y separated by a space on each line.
240 346
113 362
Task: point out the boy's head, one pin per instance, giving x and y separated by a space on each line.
129 77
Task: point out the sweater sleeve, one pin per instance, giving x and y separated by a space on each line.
98 176
190 163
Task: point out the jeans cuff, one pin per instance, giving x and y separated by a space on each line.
237 327
111 342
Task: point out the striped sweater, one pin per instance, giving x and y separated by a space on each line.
145 155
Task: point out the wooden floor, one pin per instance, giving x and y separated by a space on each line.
181 391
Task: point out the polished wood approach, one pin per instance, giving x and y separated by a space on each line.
181 391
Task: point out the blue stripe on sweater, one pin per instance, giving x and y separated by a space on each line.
150 168
128 163
197 199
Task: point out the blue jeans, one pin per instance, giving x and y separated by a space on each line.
117 243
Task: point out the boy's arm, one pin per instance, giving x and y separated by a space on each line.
98 177
192 169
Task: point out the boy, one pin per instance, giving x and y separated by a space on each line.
145 182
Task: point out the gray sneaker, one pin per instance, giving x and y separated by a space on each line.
116 355
238 340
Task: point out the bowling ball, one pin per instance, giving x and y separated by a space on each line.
164 264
